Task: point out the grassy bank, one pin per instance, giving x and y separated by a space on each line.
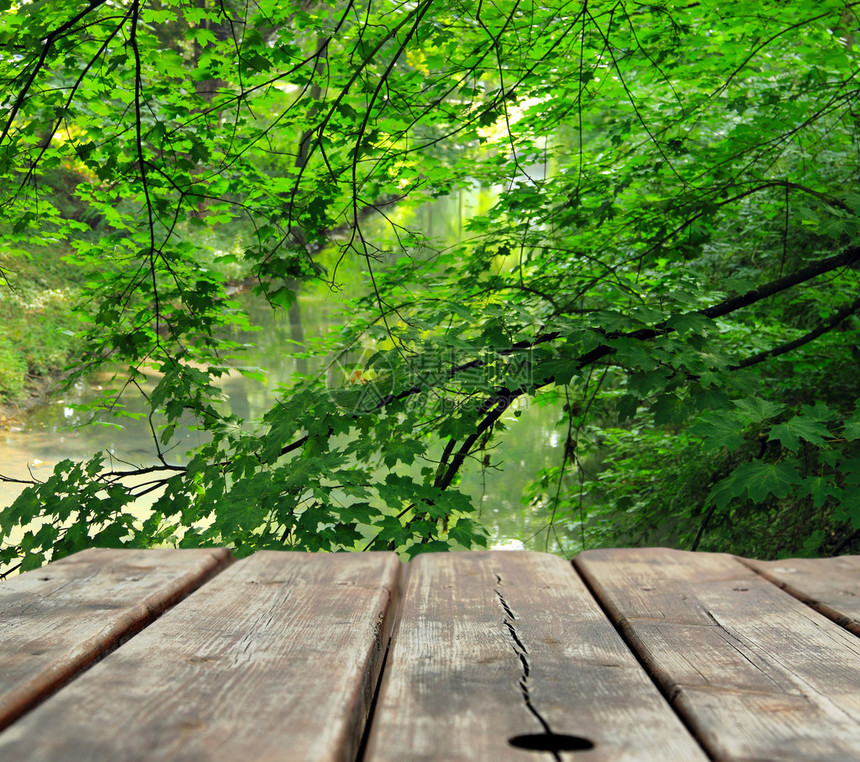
36 322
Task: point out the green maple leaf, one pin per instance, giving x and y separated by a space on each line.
800 427
819 489
719 430
761 479
852 426
756 409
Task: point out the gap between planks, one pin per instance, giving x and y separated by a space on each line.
62 619
755 673
813 581
276 659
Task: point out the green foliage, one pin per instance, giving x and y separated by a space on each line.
673 247
36 321
12 372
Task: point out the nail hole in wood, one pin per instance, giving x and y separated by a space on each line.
550 742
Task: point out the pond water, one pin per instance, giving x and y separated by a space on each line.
49 433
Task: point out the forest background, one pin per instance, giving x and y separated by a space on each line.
671 256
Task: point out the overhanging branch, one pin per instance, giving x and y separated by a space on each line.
493 407
827 325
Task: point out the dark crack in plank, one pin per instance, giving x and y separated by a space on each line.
499 646
509 621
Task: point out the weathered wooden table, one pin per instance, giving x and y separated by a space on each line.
626 654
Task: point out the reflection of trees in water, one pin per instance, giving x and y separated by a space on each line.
281 335
297 333
499 495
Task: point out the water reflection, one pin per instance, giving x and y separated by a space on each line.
45 437
532 442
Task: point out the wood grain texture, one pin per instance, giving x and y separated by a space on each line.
756 674
830 585
275 659
58 620
492 645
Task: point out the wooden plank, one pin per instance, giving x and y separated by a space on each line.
276 659
492 646
58 620
830 585
756 674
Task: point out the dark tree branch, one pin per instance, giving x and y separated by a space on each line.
49 39
493 408
827 325
848 257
